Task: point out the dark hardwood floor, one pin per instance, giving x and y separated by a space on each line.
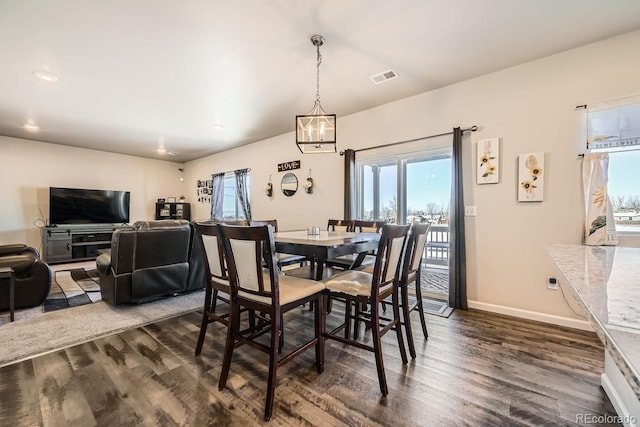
477 368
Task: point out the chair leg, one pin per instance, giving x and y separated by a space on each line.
252 318
205 317
234 326
347 318
420 308
281 334
319 319
406 315
377 349
398 326
276 327
357 312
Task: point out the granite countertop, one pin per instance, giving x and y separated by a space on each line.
606 281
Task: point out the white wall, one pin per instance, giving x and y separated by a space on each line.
530 107
29 168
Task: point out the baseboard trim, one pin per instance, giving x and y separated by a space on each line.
532 315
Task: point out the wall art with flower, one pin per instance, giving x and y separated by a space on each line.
488 161
531 177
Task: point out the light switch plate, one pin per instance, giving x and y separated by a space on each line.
469 211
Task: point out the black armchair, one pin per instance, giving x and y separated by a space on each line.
33 276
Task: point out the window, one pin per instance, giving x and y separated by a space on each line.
405 188
231 208
614 127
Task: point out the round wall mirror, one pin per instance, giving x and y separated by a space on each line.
289 184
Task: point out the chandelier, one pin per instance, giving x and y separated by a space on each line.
316 131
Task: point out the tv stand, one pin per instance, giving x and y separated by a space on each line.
71 243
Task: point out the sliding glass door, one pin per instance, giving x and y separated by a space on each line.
408 188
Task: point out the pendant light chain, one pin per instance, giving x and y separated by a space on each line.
318 62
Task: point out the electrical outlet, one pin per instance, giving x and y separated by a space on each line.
469 211
552 283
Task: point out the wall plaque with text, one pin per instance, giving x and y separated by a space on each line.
288 166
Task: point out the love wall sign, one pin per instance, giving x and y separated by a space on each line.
289 166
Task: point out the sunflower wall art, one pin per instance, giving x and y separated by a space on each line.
531 178
488 161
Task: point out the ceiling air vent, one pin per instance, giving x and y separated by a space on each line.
384 76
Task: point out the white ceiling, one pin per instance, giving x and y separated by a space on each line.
135 75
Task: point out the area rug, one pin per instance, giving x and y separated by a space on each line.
71 288
60 329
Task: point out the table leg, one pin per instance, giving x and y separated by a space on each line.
319 268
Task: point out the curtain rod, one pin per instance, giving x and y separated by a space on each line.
237 170
470 129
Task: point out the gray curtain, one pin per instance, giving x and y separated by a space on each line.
349 183
457 251
243 192
217 195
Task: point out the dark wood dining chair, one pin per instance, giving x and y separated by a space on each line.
410 274
346 261
360 226
283 259
217 286
359 288
340 225
268 292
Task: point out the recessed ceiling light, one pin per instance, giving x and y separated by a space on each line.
46 76
161 151
31 127
172 153
217 126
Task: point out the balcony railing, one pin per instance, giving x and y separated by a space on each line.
437 246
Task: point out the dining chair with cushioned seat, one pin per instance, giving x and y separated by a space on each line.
340 225
410 273
265 290
345 262
216 279
360 226
360 288
283 259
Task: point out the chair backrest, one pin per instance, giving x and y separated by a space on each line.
244 248
340 225
212 251
414 252
272 222
390 250
368 226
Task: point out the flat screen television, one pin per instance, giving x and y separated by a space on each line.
68 206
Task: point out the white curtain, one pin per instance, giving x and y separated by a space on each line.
599 228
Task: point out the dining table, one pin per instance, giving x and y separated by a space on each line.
320 246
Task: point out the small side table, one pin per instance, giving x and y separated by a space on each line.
7 273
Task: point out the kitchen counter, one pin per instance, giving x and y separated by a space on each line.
606 281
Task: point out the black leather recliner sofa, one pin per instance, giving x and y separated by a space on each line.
155 259
33 276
